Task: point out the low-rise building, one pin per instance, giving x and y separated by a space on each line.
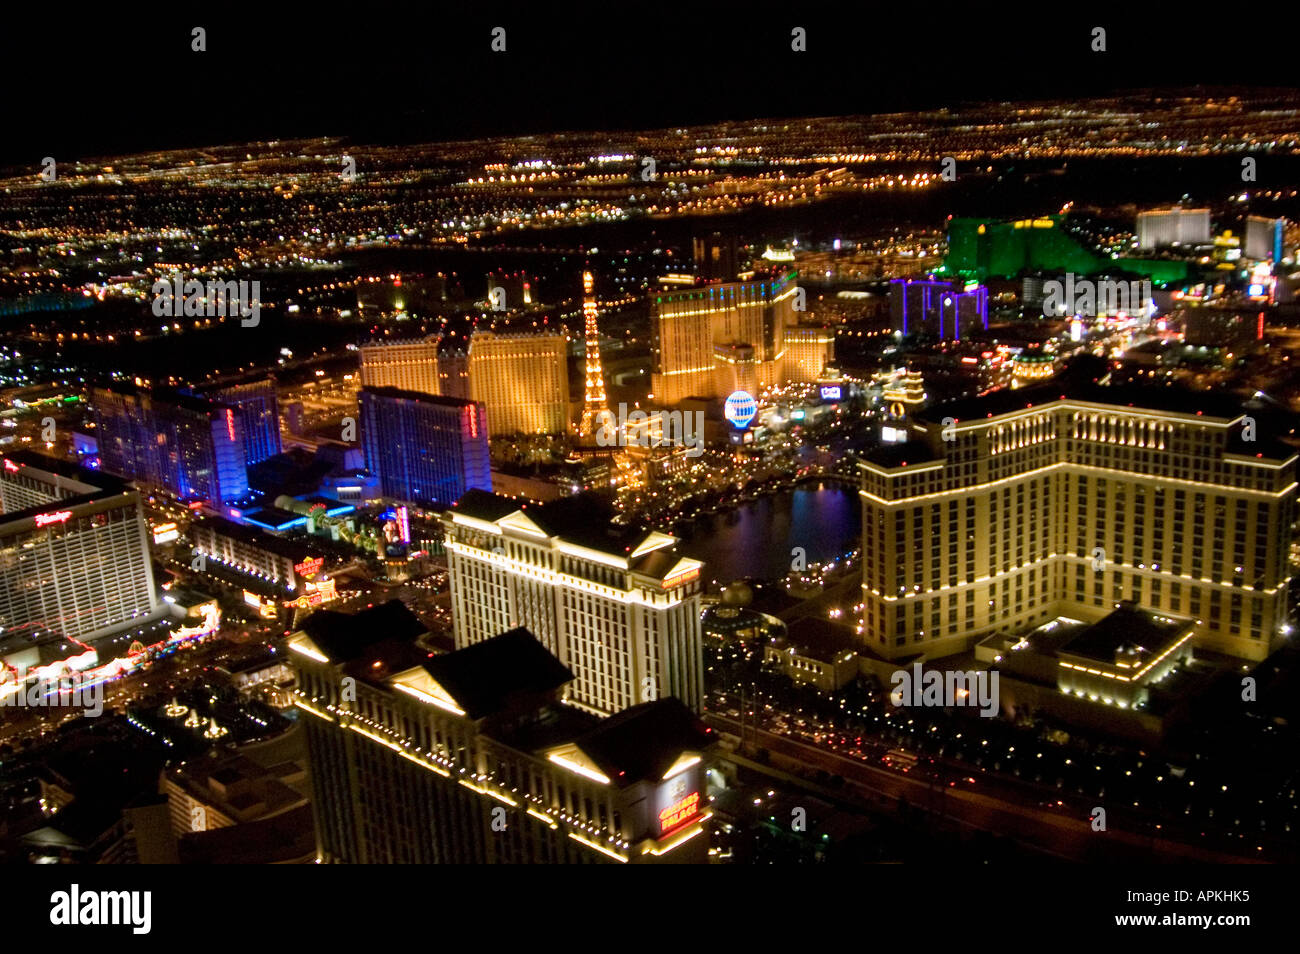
816 652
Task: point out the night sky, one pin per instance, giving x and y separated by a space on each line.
124 81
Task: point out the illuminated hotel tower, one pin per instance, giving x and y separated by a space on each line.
409 364
1005 512
522 380
618 606
74 556
594 405
711 338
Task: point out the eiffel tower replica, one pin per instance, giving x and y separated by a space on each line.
595 404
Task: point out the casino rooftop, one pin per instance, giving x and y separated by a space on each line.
485 726
66 485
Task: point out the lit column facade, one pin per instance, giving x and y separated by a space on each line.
625 618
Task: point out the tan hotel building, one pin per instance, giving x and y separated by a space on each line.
409 364
808 349
710 336
522 380
1040 505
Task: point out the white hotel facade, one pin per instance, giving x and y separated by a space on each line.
621 610
74 553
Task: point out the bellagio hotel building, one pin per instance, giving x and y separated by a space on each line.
1002 513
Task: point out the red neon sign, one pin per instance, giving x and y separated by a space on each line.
11 466
683 577
680 811
309 566
45 519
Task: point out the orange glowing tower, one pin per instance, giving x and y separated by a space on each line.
595 404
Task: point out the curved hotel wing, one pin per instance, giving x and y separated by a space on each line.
1005 512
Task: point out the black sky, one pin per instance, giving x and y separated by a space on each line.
114 81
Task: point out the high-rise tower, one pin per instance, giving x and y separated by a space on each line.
1068 506
594 406
619 606
522 380
711 338
424 447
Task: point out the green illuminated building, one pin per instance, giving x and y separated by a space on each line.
978 249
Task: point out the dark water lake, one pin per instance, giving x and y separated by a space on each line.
756 539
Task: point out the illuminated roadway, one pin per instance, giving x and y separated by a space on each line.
1053 831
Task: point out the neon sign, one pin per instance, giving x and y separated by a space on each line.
11 466
45 519
310 566
683 577
165 533
680 811
315 595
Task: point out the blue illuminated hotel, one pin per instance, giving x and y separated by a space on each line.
424 449
259 413
189 446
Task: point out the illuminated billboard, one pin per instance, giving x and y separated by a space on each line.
677 802
165 533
